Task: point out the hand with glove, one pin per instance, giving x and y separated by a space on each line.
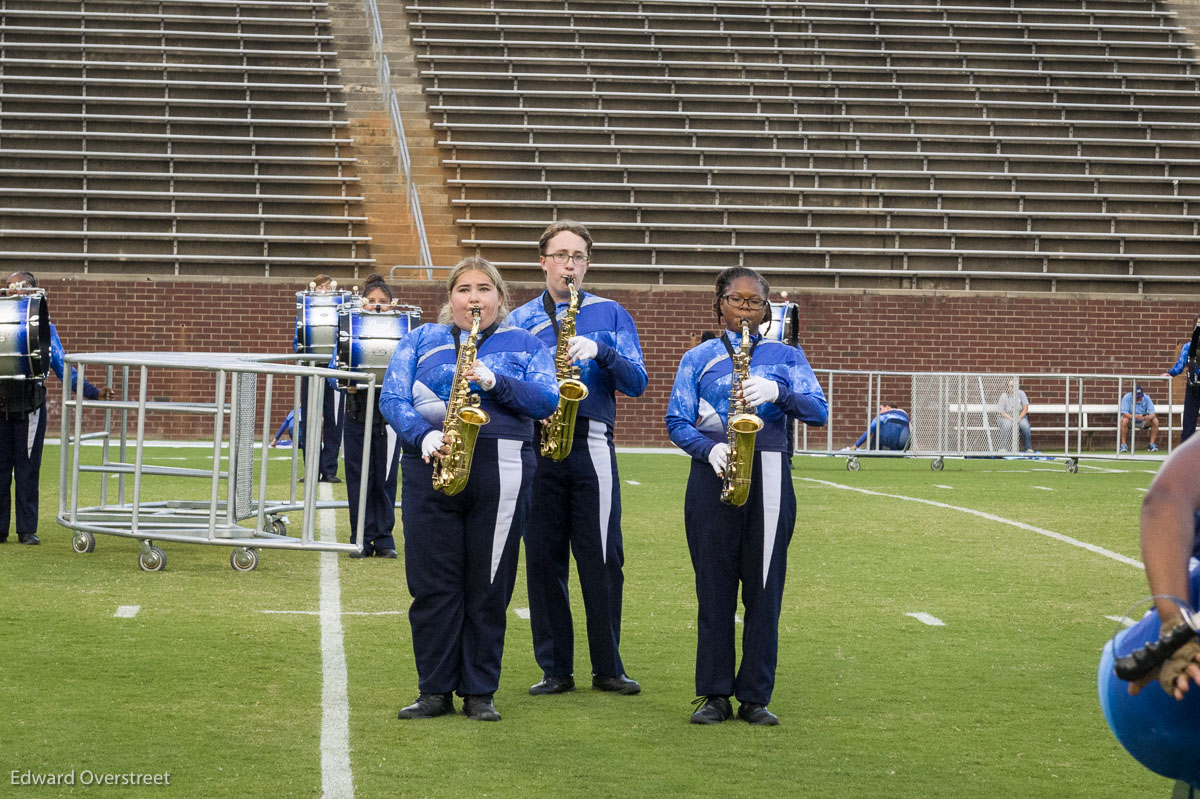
481 374
1181 669
431 445
758 390
581 348
718 457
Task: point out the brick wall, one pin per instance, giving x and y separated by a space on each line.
839 329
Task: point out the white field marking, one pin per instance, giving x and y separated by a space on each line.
633 482
1103 469
1143 490
336 780
126 611
925 618
1066 539
1128 622
344 612
1043 488
737 618
939 485
522 613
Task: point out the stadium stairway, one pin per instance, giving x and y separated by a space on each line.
1038 144
175 137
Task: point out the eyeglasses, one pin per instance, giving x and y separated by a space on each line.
561 258
749 303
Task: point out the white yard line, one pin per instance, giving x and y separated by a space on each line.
1043 488
925 618
1128 622
337 782
126 611
1066 539
522 613
344 612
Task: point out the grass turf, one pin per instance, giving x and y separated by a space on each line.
1001 701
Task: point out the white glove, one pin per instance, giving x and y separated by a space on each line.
718 457
757 390
581 348
484 376
431 443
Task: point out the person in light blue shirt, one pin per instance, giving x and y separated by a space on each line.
743 545
1191 395
23 432
1142 416
461 550
579 497
889 430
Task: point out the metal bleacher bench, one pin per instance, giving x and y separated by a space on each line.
1057 417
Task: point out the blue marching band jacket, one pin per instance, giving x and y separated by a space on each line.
420 374
698 411
618 363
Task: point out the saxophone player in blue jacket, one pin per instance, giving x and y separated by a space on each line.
747 544
461 550
579 497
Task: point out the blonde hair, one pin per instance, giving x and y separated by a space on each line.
474 264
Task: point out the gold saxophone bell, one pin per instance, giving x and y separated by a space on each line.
558 432
463 419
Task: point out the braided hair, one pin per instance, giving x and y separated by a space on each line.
727 276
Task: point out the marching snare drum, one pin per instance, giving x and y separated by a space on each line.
24 336
317 320
367 339
785 323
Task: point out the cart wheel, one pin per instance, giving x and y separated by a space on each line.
937 464
83 542
852 464
243 559
279 527
1073 466
152 560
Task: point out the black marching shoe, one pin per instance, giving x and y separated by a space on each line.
366 553
386 553
3 538
330 478
428 706
757 714
713 710
29 538
480 708
553 685
620 684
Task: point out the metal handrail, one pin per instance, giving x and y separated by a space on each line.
403 158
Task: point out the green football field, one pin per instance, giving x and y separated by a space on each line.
215 677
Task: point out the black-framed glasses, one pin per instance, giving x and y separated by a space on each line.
561 258
748 303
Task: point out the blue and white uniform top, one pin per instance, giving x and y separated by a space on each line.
56 364
894 417
1144 405
421 372
698 412
618 365
1181 363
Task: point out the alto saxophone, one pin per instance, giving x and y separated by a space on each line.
744 425
464 417
559 431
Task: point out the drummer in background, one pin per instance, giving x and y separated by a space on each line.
332 407
744 544
381 472
23 432
460 551
578 499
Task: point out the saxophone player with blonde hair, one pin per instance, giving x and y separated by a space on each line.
460 546
746 543
577 490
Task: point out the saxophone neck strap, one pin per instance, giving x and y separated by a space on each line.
458 333
552 308
729 346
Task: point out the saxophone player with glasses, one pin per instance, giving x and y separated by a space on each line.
740 507
464 394
576 489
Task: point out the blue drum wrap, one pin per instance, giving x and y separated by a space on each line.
24 336
367 339
317 320
785 323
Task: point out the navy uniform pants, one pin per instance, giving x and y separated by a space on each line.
1191 407
577 509
21 439
739 546
333 407
461 564
381 474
